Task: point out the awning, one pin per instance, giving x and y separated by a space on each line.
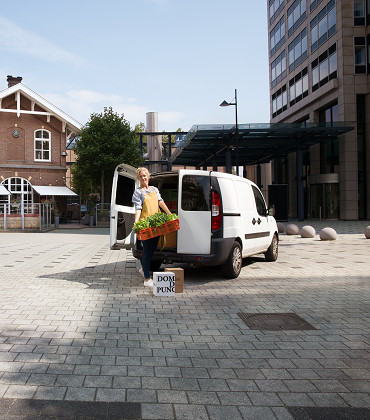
4 191
257 143
43 190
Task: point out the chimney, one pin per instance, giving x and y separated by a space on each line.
13 80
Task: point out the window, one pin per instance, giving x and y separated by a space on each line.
323 26
260 202
279 101
329 151
196 193
19 188
276 6
42 145
360 54
314 3
297 50
324 68
278 69
359 13
277 36
296 15
298 87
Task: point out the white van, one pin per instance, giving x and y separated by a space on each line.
223 218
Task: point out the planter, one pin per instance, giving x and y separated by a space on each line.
14 221
56 222
152 232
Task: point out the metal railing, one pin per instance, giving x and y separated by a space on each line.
35 216
102 214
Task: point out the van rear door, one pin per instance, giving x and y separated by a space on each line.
122 209
194 210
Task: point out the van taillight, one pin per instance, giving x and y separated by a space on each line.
216 211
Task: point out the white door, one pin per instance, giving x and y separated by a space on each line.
248 216
122 209
194 210
262 221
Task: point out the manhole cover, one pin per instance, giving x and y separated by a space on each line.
275 322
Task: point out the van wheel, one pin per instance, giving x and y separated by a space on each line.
155 265
233 265
272 253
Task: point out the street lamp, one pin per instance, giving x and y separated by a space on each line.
224 103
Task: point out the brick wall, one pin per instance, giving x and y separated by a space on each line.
17 154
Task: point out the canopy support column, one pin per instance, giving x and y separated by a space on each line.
259 177
228 160
300 189
214 163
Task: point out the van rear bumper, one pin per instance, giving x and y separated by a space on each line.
220 251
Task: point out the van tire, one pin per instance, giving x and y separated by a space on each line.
272 253
233 265
155 265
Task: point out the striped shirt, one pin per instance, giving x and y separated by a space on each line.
139 196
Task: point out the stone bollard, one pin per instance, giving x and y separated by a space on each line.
367 232
281 227
307 232
292 229
328 234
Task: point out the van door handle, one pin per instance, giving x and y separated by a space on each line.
113 217
254 221
259 221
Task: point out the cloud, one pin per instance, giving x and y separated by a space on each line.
80 104
14 38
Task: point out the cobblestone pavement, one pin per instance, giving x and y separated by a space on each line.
77 324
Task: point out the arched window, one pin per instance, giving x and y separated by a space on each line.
21 189
42 145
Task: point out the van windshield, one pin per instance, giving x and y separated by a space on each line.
196 193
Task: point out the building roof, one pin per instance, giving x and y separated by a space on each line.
257 143
50 109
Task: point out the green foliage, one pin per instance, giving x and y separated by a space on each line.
156 219
140 128
105 142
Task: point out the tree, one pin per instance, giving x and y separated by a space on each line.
106 141
140 128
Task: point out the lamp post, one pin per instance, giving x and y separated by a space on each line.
224 103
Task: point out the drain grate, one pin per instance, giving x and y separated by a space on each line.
275 322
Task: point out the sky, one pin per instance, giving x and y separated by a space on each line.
179 58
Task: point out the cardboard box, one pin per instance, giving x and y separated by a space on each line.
164 283
179 278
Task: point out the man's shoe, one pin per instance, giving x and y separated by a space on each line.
142 272
148 283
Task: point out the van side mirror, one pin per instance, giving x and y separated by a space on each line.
271 210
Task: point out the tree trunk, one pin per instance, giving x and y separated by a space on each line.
102 187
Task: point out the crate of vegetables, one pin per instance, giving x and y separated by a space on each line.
156 225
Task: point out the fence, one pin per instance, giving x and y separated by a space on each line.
35 216
102 214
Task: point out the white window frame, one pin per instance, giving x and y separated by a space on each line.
42 150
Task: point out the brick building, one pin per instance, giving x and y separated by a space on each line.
33 138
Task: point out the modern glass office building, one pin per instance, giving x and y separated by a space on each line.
319 58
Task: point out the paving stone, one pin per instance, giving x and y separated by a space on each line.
186 412
257 413
234 398
203 397
157 411
172 397
141 395
224 412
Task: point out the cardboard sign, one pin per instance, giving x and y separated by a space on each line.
164 284
179 278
